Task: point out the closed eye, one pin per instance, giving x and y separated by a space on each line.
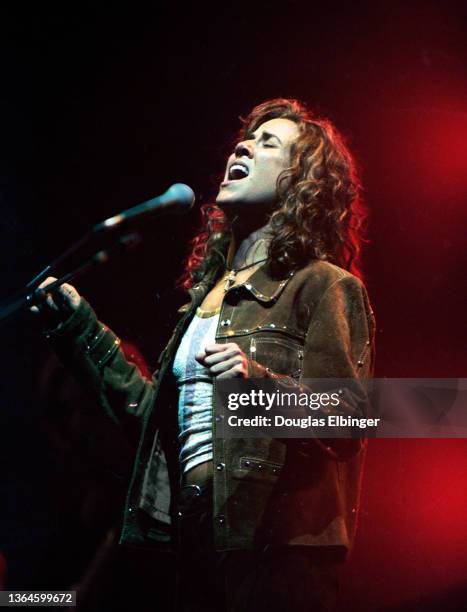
267 139
270 140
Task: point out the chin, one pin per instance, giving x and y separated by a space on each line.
223 200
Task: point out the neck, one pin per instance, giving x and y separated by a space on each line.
246 250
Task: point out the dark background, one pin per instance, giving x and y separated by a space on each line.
101 108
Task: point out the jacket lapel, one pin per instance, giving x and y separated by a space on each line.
263 287
259 284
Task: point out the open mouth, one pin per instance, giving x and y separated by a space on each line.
238 171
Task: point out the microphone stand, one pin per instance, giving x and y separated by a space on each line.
100 228
32 295
177 199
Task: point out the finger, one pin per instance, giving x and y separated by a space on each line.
44 301
43 297
217 348
223 366
48 281
50 301
68 296
200 357
223 356
238 371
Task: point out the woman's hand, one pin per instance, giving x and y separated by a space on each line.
59 303
224 360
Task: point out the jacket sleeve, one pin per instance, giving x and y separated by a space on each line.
339 344
93 353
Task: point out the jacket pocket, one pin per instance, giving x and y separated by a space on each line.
277 353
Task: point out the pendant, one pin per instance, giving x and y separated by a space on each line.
230 279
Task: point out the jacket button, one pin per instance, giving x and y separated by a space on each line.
220 519
220 467
131 510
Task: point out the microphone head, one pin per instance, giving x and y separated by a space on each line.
177 199
181 195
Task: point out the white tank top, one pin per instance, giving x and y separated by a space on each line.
195 391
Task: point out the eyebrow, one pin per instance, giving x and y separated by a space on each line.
266 135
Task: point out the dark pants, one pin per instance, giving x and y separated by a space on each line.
289 578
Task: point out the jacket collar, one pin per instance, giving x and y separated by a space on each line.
197 294
260 284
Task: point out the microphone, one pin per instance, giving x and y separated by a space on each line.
177 199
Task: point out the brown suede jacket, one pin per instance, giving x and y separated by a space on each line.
316 323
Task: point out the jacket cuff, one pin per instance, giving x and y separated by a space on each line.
256 370
75 323
82 334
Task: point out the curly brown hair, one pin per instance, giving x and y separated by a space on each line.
319 212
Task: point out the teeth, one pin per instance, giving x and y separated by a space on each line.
238 171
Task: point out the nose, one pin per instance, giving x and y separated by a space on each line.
244 149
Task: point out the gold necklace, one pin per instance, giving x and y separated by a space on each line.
231 275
